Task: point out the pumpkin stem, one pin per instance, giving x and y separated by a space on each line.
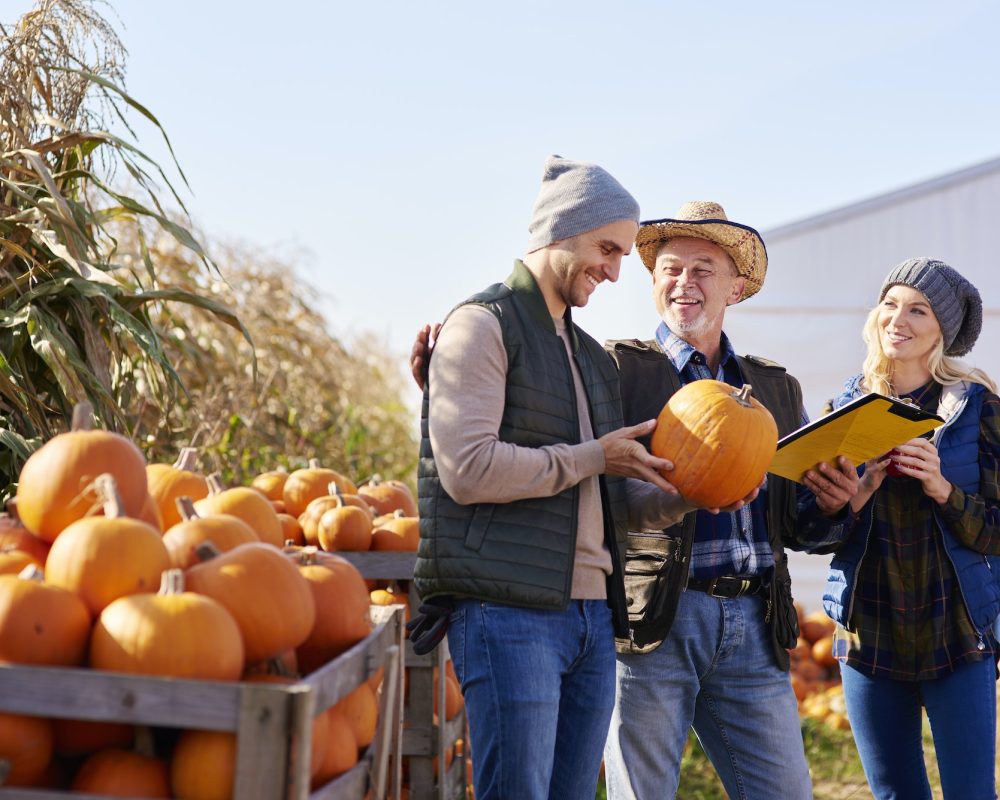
185 506
307 555
31 573
187 459
398 513
83 417
215 483
334 490
314 463
743 395
171 581
207 550
107 493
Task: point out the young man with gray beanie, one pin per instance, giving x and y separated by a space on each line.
528 485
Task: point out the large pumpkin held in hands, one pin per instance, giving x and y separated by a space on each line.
720 439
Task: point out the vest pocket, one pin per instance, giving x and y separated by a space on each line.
476 532
655 574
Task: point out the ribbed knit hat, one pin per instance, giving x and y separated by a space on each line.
576 197
955 301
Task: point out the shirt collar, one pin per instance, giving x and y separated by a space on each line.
680 352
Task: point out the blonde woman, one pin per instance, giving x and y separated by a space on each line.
914 583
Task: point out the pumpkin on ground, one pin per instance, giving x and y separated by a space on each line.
720 440
104 558
40 623
168 482
267 596
56 486
173 633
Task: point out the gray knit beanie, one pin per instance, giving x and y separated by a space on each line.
576 197
955 301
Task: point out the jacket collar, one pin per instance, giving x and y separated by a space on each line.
525 287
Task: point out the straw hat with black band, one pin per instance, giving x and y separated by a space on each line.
703 219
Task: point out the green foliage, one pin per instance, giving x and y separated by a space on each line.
74 321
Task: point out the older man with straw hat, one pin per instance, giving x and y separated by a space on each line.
713 656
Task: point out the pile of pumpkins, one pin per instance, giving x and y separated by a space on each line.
153 569
814 672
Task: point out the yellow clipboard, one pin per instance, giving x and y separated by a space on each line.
860 430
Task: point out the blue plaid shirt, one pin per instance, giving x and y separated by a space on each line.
733 543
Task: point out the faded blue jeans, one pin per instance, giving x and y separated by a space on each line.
886 721
716 671
539 687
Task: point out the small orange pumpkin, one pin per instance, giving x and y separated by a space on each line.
247 504
104 558
26 747
223 530
305 485
56 484
173 633
267 596
204 765
40 623
384 497
345 528
123 773
720 440
168 482
399 532
271 484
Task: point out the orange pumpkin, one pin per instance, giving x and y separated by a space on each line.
13 561
223 530
385 497
204 765
247 504
79 737
267 596
291 530
123 773
341 753
56 486
383 597
104 558
822 652
817 625
399 532
26 746
345 528
720 440
173 633
361 709
271 484
453 699
305 485
15 536
168 482
340 591
41 624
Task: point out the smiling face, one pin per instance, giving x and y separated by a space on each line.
907 328
576 266
693 282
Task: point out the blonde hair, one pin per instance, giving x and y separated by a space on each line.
877 368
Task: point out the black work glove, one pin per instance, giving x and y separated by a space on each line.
428 628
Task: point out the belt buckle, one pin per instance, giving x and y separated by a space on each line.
744 586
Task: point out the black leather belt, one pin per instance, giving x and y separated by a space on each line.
727 586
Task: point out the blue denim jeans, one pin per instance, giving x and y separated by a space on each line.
539 687
886 721
716 671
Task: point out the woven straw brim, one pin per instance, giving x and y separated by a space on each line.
742 243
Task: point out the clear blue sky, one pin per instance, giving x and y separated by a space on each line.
400 144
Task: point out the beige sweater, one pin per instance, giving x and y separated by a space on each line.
468 374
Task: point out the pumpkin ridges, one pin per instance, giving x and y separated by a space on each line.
40 623
720 446
247 504
167 482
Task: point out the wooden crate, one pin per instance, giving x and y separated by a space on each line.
272 722
423 741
